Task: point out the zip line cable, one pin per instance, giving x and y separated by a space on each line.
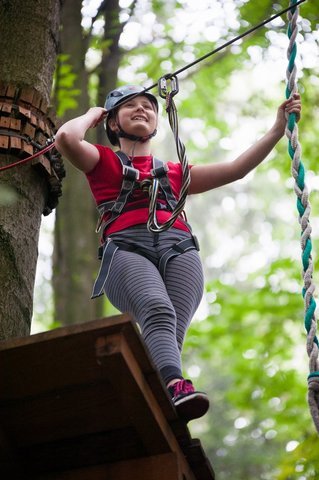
239 37
216 50
168 91
172 76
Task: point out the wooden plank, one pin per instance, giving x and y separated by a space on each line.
26 95
76 345
48 417
6 107
39 404
196 456
159 467
44 163
110 324
5 122
15 143
25 111
15 124
140 402
4 142
11 91
43 352
37 98
33 119
44 106
9 466
26 147
81 451
88 395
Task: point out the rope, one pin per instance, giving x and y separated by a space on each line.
152 224
28 159
303 207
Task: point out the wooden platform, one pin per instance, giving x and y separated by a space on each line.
85 403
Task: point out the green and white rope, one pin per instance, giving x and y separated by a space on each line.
303 207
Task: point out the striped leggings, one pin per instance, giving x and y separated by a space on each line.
163 307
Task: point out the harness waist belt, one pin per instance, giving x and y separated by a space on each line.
107 251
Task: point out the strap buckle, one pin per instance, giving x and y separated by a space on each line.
159 171
130 173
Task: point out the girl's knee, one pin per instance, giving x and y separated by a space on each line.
158 309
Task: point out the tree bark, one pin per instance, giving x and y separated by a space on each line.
28 48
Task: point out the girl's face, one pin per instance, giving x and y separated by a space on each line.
137 116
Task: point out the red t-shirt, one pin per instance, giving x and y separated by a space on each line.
106 179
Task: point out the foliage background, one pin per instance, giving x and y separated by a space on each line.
246 344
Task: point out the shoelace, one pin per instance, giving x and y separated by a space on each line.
183 386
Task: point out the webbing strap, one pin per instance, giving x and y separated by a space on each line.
180 247
115 207
160 172
106 262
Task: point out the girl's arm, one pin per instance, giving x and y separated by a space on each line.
70 142
208 177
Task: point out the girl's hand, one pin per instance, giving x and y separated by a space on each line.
96 115
292 105
70 139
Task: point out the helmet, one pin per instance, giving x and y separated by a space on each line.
118 96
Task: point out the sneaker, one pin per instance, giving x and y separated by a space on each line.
189 403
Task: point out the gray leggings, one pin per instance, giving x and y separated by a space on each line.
163 308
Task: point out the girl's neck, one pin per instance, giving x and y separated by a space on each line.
135 149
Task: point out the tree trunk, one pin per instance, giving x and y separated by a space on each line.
111 57
75 250
29 37
74 241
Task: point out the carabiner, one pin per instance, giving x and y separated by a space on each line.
168 85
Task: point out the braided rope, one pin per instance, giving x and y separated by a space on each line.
303 207
152 224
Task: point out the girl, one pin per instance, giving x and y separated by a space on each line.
155 276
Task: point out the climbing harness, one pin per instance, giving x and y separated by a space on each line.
109 211
130 183
108 250
303 207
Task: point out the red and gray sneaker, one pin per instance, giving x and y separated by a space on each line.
189 403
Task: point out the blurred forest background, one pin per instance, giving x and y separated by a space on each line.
246 346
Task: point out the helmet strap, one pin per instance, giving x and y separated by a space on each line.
136 138
120 133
